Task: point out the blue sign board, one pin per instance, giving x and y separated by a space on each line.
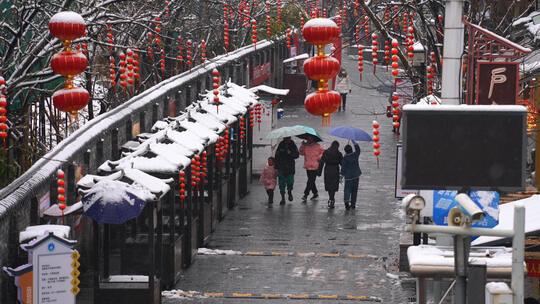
488 201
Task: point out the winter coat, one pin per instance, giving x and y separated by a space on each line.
349 165
284 161
330 161
343 85
312 155
268 177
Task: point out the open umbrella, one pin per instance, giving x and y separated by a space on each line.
114 202
285 132
350 133
309 132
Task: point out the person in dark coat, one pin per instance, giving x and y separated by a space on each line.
330 162
286 153
350 170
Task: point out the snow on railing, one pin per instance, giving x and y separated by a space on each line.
45 167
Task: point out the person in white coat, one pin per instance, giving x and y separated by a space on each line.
343 86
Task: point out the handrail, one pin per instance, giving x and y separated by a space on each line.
64 151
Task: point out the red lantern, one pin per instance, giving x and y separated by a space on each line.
376 139
320 31
321 67
67 25
69 63
323 103
71 99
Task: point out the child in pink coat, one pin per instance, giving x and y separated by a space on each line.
269 179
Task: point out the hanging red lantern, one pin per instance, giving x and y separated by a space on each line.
70 99
68 63
67 25
323 103
320 31
321 67
203 51
61 192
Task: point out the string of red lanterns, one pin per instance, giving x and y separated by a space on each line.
360 59
112 66
215 80
395 59
182 190
376 140
395 112
188 57
374 51
203 51
254 33
3 112
61 192
67 26
320 32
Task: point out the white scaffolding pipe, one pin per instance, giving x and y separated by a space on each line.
518 244
453 48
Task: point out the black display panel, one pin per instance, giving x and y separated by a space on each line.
464 150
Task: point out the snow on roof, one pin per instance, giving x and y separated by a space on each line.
208 120
187 139
299 57
159 125
502 39
270 90
55 210
245 96
465 108
506 218
114 192
154 184
418 46
201 130
219 113
173 153
34 231
428 255
89 180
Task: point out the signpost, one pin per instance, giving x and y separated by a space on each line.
497 83
51 276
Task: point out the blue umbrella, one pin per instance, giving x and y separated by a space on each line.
350 133
309 131
114 202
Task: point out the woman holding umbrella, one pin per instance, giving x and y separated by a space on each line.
312 152
330 162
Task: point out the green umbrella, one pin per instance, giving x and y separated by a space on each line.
285 132
309 132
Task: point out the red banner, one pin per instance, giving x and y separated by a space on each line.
533 268
260 73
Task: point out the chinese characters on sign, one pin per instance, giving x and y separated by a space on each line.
497 83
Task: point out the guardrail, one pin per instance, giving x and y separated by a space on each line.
101 138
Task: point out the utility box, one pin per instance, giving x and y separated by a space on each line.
498 293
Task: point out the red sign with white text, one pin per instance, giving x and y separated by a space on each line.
497 83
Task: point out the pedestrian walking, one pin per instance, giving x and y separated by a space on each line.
330 162
343 86
350 170
286 153
312 152
269 179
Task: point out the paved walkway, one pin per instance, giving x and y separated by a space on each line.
305 251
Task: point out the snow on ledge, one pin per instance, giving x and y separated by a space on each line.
299 57
428 255
34 231
467 108
270 90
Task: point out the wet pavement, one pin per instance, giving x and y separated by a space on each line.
307 252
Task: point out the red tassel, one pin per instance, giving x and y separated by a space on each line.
377 162
63 219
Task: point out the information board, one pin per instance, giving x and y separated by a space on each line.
54 278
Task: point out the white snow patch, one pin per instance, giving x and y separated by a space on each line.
67 17
34 231
206 251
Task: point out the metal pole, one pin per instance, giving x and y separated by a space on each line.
460 230
453 47
518 248
462 246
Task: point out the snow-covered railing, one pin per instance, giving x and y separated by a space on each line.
25 186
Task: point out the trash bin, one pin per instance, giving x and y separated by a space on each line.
280 113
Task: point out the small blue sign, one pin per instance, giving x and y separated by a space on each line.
50 247
488 201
